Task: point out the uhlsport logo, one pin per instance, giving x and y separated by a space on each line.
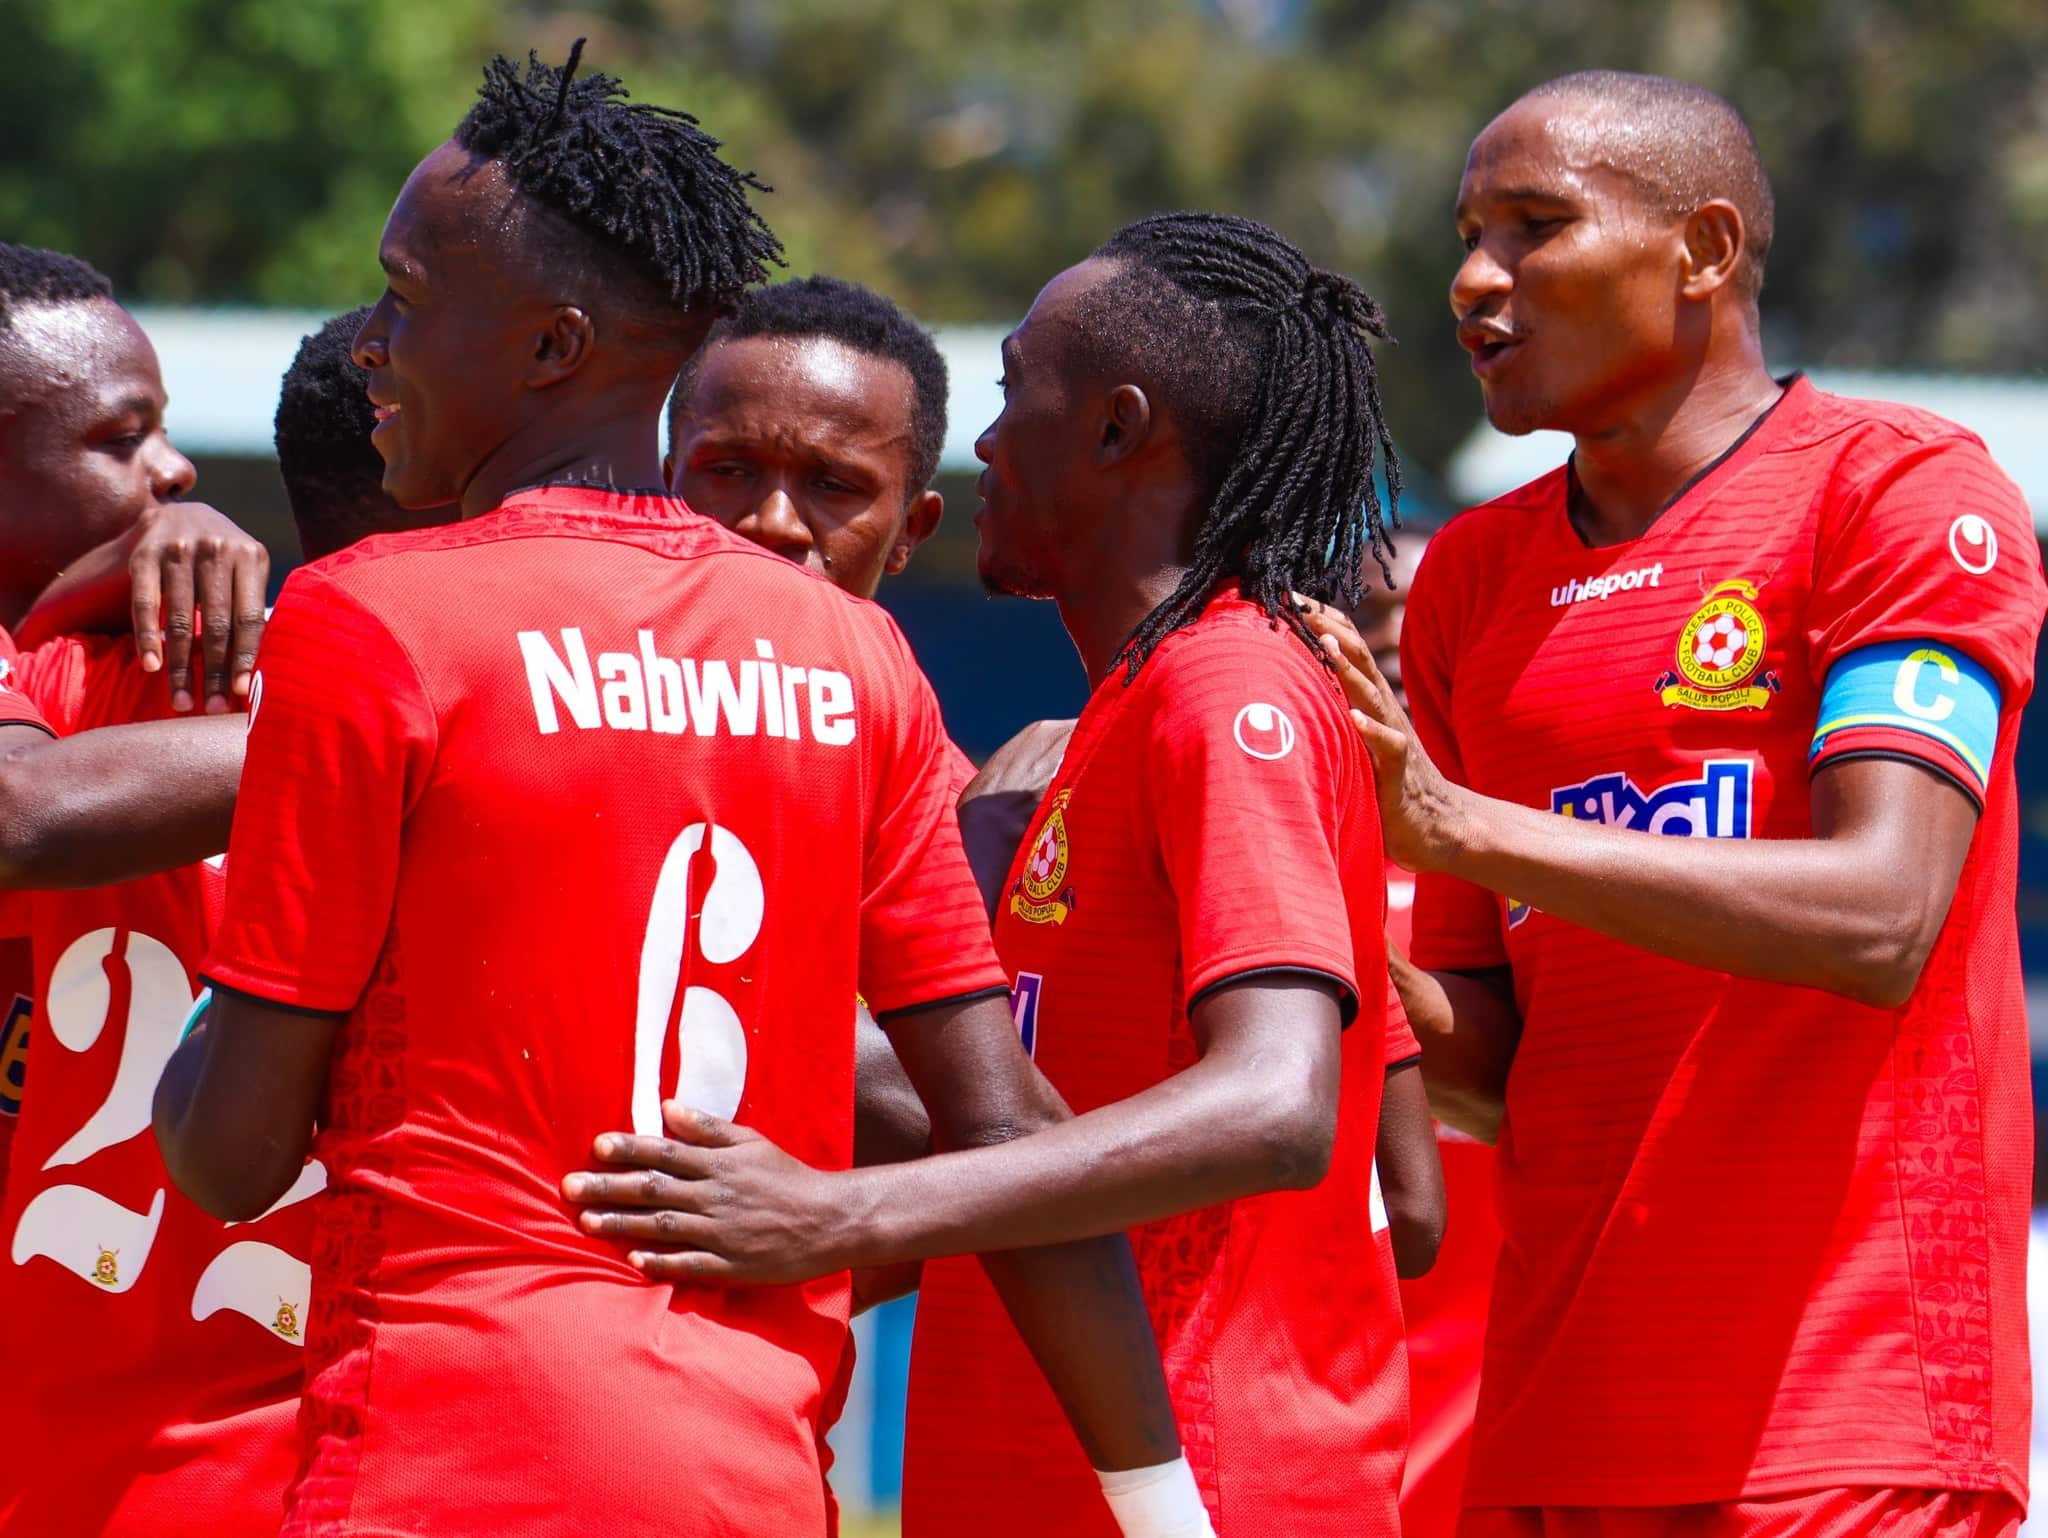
1042 894
1264 731
1719 652
1717 804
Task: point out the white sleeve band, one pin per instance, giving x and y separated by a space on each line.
1159 1502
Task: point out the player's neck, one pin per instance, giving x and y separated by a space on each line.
1629 473
1106 603
623 452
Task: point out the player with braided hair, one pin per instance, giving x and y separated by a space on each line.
1270 357
554 813
1167 973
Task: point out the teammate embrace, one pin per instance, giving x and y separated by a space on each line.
524 1167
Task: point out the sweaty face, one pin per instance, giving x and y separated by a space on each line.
447 344
1034 514
804 446
82 446
1567 299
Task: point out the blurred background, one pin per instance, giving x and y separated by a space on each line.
229 163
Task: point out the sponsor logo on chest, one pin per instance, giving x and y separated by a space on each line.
1717 803
642 691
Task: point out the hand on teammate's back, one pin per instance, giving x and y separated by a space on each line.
724 1203
1417 804
186 556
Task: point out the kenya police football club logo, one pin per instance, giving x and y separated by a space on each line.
1719 652
1042 894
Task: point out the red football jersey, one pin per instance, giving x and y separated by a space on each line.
155 1389
573 807
1757 1238
1212 819
17 964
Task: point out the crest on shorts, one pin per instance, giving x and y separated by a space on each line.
1042 894
1719 652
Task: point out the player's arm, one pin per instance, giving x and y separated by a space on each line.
1256 1112
889 1126
1411 1174
1468 1026
115 803
178 557
1854 910
235 1109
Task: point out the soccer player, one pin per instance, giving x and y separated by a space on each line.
1761 1089
811 421
153 1374
607 805
1189 424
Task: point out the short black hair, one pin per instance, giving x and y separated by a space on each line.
1684 146
1264 360
333 477
858 318
29 275
661 212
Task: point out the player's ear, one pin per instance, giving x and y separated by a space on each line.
560 347
918 524
1714 243
1126 424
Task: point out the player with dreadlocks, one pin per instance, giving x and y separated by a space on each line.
607 805
1188 434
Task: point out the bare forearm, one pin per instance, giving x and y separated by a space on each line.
121 802
1851 914
1079 1309
1194 1140
1469 1028
1411 1174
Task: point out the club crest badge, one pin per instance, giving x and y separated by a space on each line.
287 1321
1042 894
1719 652
107 1269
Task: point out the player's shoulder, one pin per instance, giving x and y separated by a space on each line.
1830 418
1235 651
1493 537
1848 446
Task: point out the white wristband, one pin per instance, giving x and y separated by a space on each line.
1159 1502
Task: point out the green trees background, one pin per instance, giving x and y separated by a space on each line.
957 152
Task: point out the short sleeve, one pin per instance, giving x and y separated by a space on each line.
1926 604
960 767
1456 926
924 937
32 685
1246 770
341 739
1401 1043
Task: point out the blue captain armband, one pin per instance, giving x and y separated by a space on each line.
1914 699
